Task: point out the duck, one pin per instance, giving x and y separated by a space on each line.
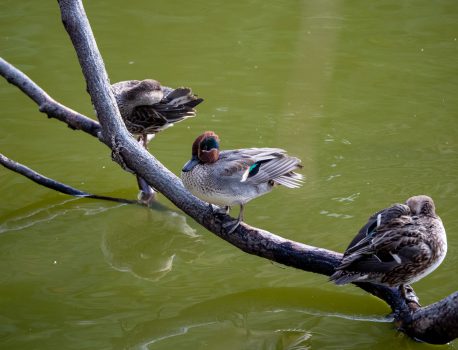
235 177
398 246
147 107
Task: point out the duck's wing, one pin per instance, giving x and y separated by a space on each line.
256 154
147 119
180 96
177 104
380 218
391 244
236 162
260 165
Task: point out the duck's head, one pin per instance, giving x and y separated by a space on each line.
143 92
421 205
205 149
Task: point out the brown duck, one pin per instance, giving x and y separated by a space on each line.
399 245
147 107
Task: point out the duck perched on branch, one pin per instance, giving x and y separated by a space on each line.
399 245
234 177
147 107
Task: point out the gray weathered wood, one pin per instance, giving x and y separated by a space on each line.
45 103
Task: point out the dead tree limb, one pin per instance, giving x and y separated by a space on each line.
425 324
54 109
46 103
55 185
435 324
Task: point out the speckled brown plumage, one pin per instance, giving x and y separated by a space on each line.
399 245
147 107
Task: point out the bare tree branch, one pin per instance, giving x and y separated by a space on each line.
45 103
75 22
53 184
435 324
420 323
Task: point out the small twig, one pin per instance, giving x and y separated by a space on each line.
55 185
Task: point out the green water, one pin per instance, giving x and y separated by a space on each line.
364 92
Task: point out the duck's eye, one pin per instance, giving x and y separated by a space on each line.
209 143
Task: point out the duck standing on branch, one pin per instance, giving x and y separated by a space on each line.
399 245
234 177
147 107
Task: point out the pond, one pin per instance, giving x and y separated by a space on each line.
364 93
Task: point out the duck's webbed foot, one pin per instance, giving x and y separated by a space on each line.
408 294
231 225
147 198
234 223
220 213
147 194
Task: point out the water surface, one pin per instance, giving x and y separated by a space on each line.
363 92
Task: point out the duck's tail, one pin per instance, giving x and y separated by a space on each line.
285 166
178 104
343 277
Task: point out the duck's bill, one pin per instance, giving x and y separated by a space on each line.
190 165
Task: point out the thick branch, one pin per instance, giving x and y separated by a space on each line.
46 103
435 324
75 22
53 184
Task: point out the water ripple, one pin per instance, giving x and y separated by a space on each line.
335 215
350 198
177 332
48 213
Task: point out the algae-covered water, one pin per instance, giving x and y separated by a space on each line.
364 92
